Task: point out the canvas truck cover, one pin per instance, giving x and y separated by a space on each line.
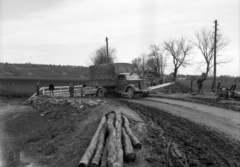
108 72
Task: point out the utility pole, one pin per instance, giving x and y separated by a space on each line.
215 54
107 48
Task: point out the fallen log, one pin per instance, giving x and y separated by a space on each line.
135 141
100 146
104 156
118 147
88 154
127 147
111 142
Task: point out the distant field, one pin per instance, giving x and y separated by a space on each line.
40 70
27 86
21 79
207 85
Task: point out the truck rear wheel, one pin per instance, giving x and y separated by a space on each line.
130 93
101 92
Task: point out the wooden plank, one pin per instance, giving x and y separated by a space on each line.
161 86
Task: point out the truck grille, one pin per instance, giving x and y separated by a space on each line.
143 85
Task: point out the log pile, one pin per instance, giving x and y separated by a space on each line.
112 143
57 107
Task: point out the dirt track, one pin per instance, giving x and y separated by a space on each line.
198 145
168 140
8 106
222 120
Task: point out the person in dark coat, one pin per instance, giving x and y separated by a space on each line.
51 89
71 89
200 82
82 89
37 87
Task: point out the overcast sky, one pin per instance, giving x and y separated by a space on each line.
67 32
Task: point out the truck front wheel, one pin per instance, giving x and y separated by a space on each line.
130 93
101 92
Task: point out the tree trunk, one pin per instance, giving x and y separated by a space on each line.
111 152
175 74
118 147
104 156
100 146
127 145
88 154
157 65
133 138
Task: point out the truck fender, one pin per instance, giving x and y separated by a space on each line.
99 88
129 86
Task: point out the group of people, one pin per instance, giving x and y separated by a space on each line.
51 89
71 90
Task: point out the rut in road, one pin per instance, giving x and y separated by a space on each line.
222 120
199 145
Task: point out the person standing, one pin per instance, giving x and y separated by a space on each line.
82 89
200 82
200 85
74 93
71 89
51 89
37 87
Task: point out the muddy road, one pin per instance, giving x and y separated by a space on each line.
173 133
222 120
197 142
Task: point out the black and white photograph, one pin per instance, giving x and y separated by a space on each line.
119 83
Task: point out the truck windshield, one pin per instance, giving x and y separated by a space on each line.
132 76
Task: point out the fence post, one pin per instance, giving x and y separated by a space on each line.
191 85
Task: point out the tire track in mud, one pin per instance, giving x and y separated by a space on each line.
221 120
199 145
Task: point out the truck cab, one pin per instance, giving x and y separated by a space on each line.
131 84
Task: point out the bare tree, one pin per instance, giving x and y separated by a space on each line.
144 61
179 49
204 41
140 63
151 62
160 59
137 64
100 55
155 53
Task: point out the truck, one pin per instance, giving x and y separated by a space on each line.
117 79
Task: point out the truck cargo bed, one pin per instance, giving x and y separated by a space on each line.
106 74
